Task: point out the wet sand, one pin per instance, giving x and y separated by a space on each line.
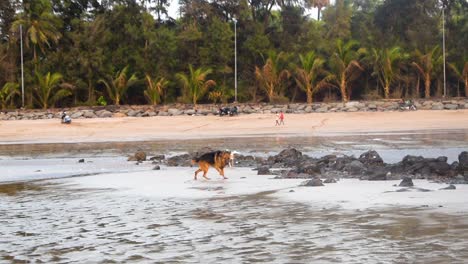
166 217
207 127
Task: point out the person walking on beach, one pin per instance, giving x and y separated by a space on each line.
277 119
281 118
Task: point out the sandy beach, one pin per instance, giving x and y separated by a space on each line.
203 127
55 208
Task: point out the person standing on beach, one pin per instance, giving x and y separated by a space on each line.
277 119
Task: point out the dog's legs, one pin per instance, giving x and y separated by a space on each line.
221 172
204 174
196 172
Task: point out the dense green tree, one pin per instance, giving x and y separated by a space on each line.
195 83
155 89
308 74
345 66
89 40
48 89
118 85
40 25
8 93
387 66
425 65
461 72
272 75
409 23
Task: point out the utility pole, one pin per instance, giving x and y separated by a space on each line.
443 47
22 68
235 60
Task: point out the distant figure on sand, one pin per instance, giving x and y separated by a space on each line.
66 119
279 118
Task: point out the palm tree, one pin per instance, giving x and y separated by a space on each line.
155 89
117 87
7 93
425 64
345 65
195 84
386 66
319 4
40 24
271 76
461 74
307 76
49 89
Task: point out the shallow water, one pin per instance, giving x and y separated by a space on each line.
391 146
60 223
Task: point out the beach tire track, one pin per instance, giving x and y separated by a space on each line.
322 123
197 127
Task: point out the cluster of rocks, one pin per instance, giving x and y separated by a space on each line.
291 163
210 109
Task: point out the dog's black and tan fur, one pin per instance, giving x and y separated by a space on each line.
216 159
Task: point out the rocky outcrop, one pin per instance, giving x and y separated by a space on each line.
316 182
138 156
406 182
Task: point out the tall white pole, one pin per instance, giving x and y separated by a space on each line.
443 47
22 69
235 60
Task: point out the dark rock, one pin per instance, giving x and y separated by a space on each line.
81 161
263 170
291 191
330 180
378 174
355 168
341 162
288 157
450 187
442 159
140 156
371 158
246 161
157 167
310 168
463 164
406 182
157 157
313 183
441 168
179 160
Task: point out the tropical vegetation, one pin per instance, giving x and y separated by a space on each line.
136 52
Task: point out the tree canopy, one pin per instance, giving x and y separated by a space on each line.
133 52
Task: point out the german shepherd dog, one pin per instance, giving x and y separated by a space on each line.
216 159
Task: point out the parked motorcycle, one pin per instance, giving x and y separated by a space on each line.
66 119
407 105
228 111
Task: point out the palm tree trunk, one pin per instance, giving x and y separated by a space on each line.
418 83
90 92
344 96
427 87
309 96
386 91
466 87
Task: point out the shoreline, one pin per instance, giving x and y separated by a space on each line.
129 129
